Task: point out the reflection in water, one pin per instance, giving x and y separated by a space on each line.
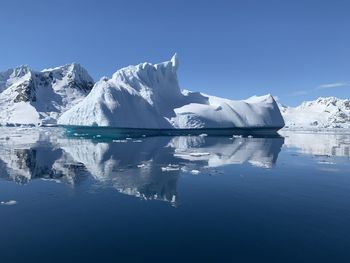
132 167
27 154
215 152
260 187
321 144
141 167
148 168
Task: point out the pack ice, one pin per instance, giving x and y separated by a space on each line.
148 96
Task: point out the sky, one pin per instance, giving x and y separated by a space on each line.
294 50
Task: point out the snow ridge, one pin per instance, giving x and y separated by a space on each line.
329 112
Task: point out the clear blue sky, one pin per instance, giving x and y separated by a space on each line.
296 50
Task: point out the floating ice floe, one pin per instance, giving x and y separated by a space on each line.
11 202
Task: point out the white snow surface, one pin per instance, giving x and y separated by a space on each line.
39 97
327 112
149 96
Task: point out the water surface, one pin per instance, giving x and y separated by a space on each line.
174 199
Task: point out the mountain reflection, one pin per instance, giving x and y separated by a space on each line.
148 168
30 154
319 144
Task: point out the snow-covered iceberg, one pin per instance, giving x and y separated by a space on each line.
39 97
148 96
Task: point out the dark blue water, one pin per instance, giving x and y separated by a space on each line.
174 199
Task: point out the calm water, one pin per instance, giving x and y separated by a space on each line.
174 199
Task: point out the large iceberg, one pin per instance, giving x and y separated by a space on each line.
148 96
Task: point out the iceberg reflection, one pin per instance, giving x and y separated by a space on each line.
148 168
215 152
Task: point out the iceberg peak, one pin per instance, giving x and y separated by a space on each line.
175 61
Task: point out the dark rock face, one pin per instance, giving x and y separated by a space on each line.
38 165
84 86
340 117
26 92
77 79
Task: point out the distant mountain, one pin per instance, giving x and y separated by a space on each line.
32 97
328 112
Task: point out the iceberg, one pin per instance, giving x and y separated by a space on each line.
148 96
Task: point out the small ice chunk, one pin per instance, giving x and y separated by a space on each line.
199 154
124 141
195 172
170 167
11 202
325 162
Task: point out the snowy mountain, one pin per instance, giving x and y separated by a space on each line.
328 112
32 97
148 96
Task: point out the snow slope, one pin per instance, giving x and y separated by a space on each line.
149 96
328 112
31 97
